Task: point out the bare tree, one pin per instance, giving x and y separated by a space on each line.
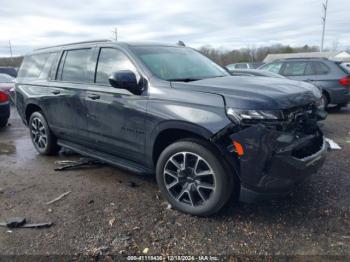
251 54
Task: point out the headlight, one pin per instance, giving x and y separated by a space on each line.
253 116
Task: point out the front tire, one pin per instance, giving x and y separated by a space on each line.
43 139
193 179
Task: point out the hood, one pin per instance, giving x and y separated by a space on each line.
246 92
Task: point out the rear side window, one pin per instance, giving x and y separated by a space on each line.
273 67
309 69
294 68
73 66
111 60
320 68
32 66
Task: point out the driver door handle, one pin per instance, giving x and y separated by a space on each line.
94 96
55 91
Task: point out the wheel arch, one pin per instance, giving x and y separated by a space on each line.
326 93
170 131
30 109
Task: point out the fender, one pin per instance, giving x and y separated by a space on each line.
172 124
181 125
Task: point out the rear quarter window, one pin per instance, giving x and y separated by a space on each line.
320 68
36 66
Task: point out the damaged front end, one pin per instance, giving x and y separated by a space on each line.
275 150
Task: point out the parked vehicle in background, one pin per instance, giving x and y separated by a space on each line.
328 75
4 109
346 66
254 72
210 137
11 71
243 66
7 84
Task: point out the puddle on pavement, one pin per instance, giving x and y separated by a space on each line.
7 149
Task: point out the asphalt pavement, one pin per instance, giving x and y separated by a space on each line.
110 211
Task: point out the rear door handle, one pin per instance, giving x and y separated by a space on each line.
55 92
94 96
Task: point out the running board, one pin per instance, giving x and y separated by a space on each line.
106 158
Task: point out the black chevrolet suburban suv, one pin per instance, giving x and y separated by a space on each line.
150 108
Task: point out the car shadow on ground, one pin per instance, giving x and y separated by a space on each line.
336 111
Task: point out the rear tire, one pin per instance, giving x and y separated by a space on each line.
43 139
193 179
339 107
3 122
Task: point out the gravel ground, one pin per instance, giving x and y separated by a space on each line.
110 211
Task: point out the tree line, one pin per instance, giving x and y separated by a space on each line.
219 55
251 54
13 62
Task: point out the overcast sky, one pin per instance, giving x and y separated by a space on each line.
222 23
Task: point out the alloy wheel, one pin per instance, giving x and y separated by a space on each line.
38 133
189 179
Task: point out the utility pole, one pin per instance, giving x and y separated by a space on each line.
10 49
324 17
115 31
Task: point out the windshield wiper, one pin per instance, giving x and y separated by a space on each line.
183 79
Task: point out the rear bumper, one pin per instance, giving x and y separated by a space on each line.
339 96
275 162
4 110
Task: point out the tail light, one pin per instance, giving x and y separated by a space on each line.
3 97
345 81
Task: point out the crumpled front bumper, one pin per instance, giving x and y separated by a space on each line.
274 162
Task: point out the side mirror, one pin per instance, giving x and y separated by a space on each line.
125 79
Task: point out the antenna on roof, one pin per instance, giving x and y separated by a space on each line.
180 43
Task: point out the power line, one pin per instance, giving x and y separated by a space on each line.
324 17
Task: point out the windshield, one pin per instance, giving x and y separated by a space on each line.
178 63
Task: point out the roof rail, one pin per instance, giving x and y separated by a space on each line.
76 43
296 58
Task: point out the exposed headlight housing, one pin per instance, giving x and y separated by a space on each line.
320 103
253 116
